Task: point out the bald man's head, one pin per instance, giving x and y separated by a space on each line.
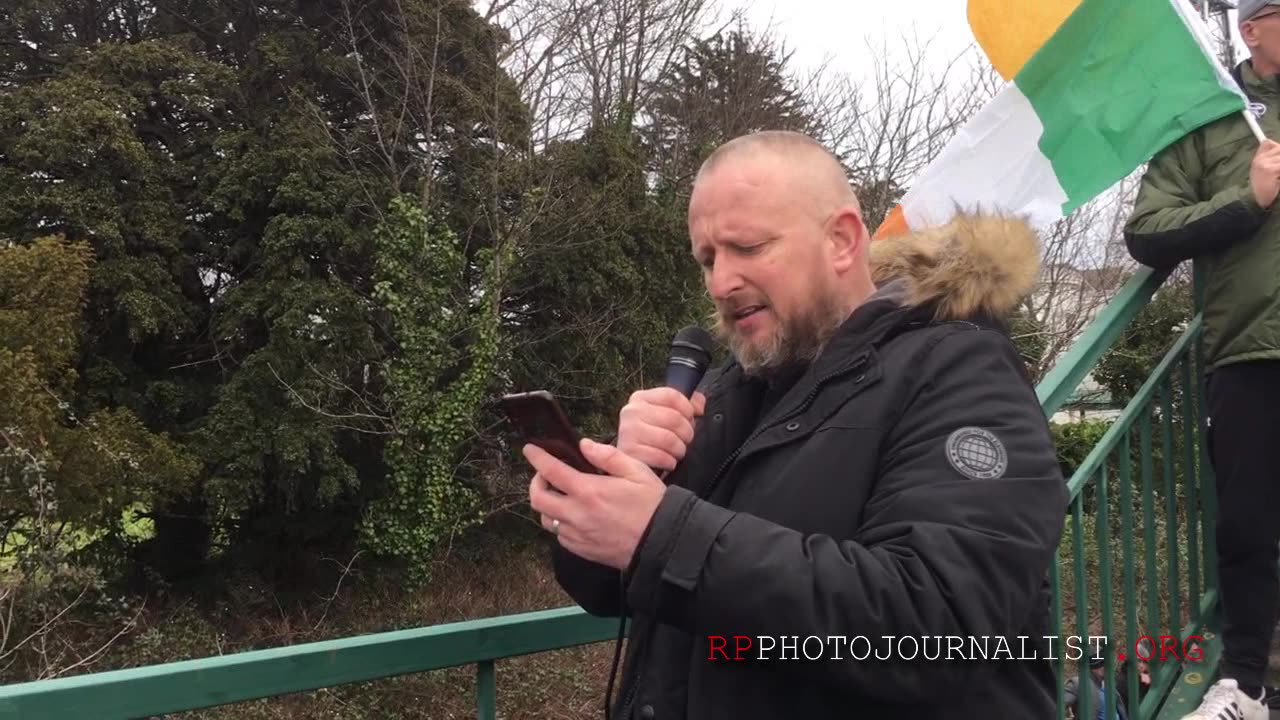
780 238
809 168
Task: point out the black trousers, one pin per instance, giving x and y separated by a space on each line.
1244 436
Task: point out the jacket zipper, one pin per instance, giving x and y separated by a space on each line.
813 393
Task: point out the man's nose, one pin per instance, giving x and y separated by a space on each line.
723 279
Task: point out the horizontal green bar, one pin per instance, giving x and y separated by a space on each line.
1060 382
1114 434
194 684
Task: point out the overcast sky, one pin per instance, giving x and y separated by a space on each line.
818 29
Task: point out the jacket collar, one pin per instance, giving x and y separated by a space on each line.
1254 85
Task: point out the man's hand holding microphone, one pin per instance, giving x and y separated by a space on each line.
601 517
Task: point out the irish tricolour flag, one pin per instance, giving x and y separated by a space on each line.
1098 87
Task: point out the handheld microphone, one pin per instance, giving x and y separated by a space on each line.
690 357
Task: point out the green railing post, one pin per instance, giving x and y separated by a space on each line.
1152 579
1190 483
1171 508
486 691
1102 521
1130 589
1084 681
1083 356
1060 663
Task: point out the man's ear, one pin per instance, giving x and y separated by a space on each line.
848 236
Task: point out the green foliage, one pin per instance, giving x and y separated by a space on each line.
1075 441
604 281
57 470
297 316
305 246
1145 342
94 151
226 172
438 380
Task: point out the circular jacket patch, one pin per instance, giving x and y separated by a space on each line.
976 453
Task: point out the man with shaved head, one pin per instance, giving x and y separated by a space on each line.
855 514
816 191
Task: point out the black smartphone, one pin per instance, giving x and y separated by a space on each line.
540 419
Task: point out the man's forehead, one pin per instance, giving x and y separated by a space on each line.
749 167
731 225
753 181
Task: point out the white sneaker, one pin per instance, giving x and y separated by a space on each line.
1225 701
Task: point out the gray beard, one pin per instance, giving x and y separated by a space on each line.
794 344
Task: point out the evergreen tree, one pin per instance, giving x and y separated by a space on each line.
729 84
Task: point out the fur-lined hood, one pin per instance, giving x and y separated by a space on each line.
974 265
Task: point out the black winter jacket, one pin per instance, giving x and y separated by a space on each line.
905 485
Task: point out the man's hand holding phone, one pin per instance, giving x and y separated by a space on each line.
656 426
598 517
597 498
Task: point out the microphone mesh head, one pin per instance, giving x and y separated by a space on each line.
693 343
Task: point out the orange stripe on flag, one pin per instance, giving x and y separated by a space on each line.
894 224
1011 31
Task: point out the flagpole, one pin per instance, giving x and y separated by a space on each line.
1200 31
1253 125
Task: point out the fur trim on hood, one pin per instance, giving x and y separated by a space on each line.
976 264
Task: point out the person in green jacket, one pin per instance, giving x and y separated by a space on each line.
1211 197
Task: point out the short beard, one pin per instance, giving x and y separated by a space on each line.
794 343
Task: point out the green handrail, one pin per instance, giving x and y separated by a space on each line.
1083 356
206 682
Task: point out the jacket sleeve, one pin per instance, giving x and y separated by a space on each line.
938 553
1171 223
599 588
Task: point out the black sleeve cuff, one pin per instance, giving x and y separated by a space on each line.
669 560
1235 220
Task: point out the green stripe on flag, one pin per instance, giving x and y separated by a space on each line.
1118 82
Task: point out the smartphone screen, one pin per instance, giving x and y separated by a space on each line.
542 422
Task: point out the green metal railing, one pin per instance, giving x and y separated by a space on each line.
1171 395
1175 510
208 682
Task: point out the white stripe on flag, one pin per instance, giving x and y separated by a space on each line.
993 164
